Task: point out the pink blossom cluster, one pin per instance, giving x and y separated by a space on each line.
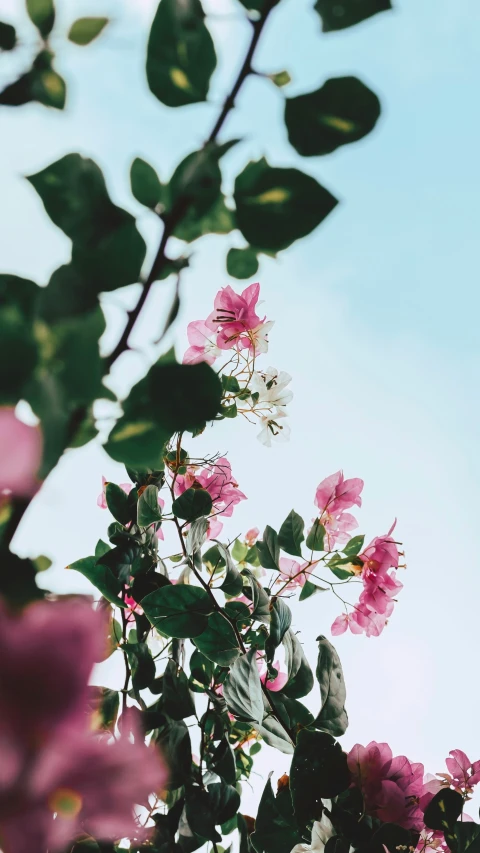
217 479
333 497
58 778
233 325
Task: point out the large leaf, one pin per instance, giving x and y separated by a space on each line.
276 206
281 619
290 536
176 749
218 642
300 676
269 549
178 611
443 810
340 14
465 838
192 504
118 503
223 762
243 690
177 700
343 110
180 55
19 351
316 536
141 663
101 577
276 830
333 716
319 769
107 248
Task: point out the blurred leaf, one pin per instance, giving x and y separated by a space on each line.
42 14
85 30
104 705
18 346
180 54
316 536
148 509
18 579
145 183
268 549
218 641
280 79
242 690
276 829
276 206
242 263
118 504
258 5
178 611
333 716
177 700
339 14
101 577
300 676
141 663
290 536
74 358
67 294
319 769
107 248
343 110
8 36
41 84
218 219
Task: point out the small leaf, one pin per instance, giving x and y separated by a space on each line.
101 577
333 716
145 183
42 14
290 536
84 30
268 549
281 619
192 504
339 14
148 509
177 700
118 503
178 611
239 551
233 583
354 546
280 79
242 263
316 536
197 535
218 642
309 589
242 690
8 36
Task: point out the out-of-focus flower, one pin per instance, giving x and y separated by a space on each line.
251 536
20 455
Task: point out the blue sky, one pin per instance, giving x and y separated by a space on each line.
376 319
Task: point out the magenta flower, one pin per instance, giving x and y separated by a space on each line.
202 344
382 554
463 774
20 455
234 318
102 500
217 480
277 683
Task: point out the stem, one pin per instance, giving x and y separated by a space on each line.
127 665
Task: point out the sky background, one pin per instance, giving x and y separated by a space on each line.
376 318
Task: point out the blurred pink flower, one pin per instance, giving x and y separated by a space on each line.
20 455
217 480
202 344
251 536
102 500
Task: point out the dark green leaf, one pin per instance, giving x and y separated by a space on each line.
178 611
19 351
18 579
201 668
343 110
339 14
388 837
41 84
230 384
319 769
8 36
276 829
226 801
141 664
101 577
145 183
300 676
309 589
290 536
243 690
177 700
268 549
354 546
176 749
223 762
148 509
137 442
122 559
104 704
233 583
316 536
281 619
180 56
465 838
85 30
192 504
218 219
118 503
333 716
276 206
101 548
292 712
443 810
42 14
259 5
218 641
242 263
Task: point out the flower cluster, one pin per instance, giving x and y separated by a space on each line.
59 779
234 327
333 497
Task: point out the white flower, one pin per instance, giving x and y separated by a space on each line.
271 387
322 830
259 336
272 430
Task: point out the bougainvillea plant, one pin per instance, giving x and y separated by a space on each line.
214 666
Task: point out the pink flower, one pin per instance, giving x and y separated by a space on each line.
391 787
102 500
20 455
234 318
251 536
335 494
274 684
292 571
214 528
464 774
344 621
338 529
202 344
382 554
217 480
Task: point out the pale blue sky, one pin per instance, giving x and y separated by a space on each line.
376 319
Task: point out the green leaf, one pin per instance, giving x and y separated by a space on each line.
316 536
343 110
291 536
333 716
276 830
148 509
104 704
178 611
145 183
85 30
18 579
118 503
242 263
319 769
201 668
280 79
300 676
8 36
107 248
101 577
175 747
192 504
218 641
259 5
180 55
177 700
137 442
276 206
42 14
230 384
141 664
233 583
443 810
293 712
340 14
19 351
465 838
197 535
309 589
268 549
239 551
41 84
223 762
101 548
281 619
242 689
